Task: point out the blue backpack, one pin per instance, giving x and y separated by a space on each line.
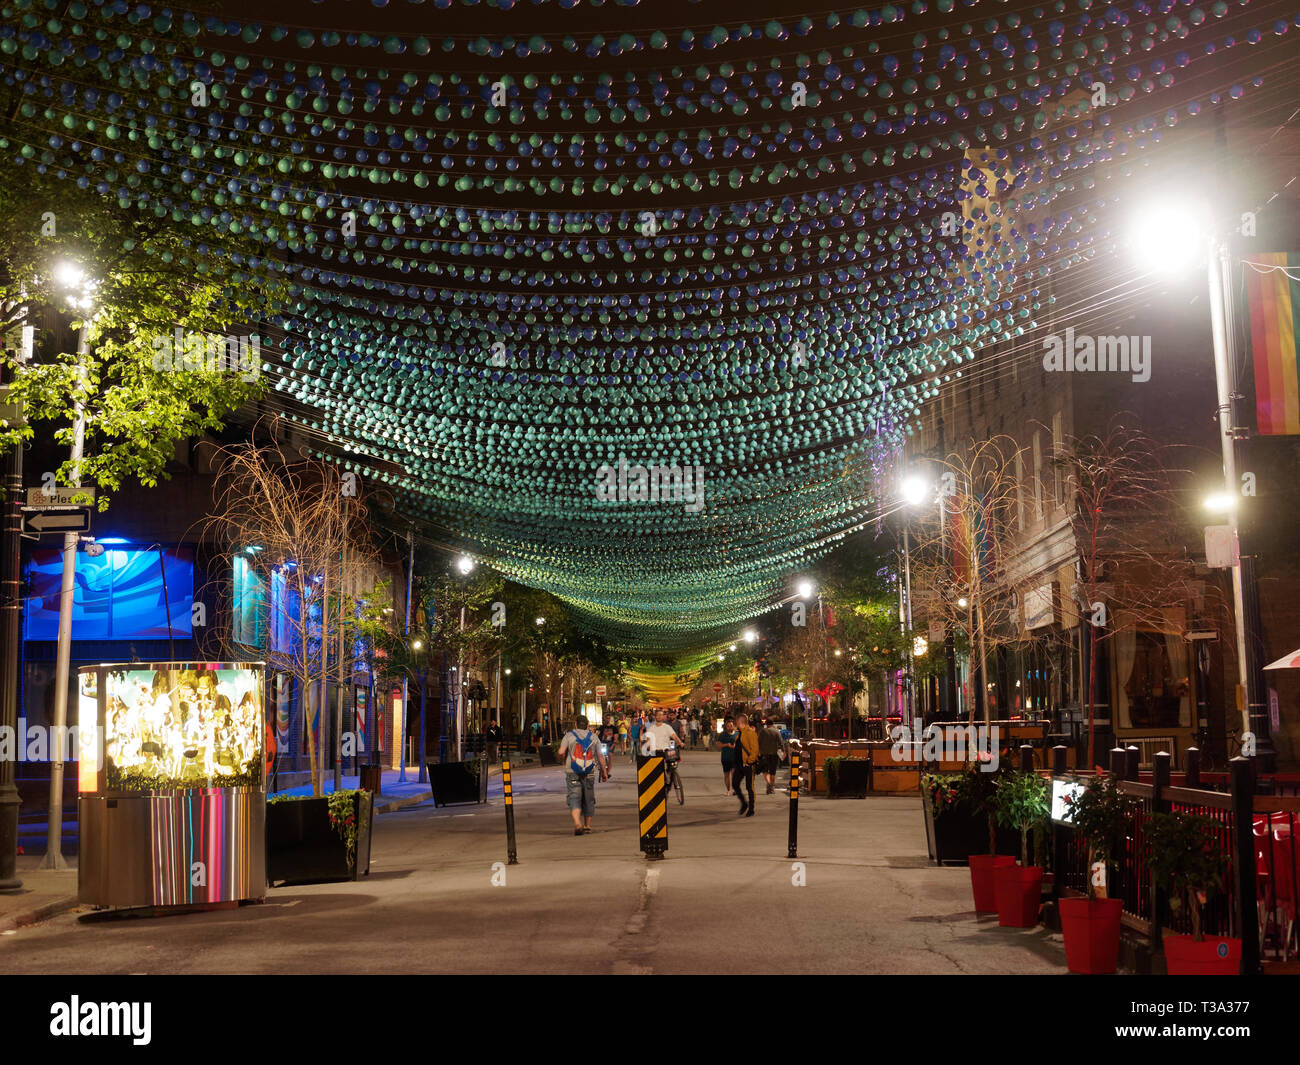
582 755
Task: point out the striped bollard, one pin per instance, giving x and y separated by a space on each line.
513 858
652 806
794 805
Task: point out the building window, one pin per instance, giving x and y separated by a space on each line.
1038 476
1020 492
248 607
1058 448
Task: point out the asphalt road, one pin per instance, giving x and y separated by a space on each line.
865 898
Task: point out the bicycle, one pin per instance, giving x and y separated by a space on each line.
674 778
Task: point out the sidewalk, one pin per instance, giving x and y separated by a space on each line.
394 794
44 894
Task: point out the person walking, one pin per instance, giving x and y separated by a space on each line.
727 744
582 751
694 726
493 736
635 732
771 746
746 757
622 734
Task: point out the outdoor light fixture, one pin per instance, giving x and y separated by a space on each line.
838 652
804 588
464 563
417 645
920 645
541 621
69 274
914 489
1220 502
750 636
962 602
507 672
1168 237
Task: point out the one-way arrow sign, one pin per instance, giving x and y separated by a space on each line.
44 522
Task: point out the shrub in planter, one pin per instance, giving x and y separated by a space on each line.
847 778
954 828
1186 856
314 839
1021 801
1102 815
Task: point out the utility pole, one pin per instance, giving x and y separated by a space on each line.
1254 712
54 837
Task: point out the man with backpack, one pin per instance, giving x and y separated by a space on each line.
580 754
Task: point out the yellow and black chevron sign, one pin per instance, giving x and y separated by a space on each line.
652 804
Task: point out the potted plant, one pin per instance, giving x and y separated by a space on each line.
1186 855
847 778
1101 813
313 839
981 790
1021 801
955 828
457 782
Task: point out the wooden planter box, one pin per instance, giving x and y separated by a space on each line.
302 846
454 783
850 779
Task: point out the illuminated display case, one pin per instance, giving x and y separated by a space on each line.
172 780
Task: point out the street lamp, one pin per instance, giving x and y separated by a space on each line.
465 564
73 280
1171 237
1220 503
750 636
804 588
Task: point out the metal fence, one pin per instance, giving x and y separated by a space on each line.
1256 831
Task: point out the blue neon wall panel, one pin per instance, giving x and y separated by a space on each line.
117 596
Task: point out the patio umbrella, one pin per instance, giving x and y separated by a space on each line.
1291 661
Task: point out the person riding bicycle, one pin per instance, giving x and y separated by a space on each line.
660 737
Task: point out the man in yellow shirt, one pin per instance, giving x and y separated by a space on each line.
746 756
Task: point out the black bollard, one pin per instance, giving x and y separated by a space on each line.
511 856
793 846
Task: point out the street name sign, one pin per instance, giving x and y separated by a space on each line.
59 497
44 521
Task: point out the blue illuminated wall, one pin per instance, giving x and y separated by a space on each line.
117 596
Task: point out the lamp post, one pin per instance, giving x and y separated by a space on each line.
10 647
69 276
464 566
1170 237
406 635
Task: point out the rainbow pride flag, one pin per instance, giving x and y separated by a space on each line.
1272 303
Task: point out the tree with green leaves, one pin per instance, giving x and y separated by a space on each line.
171 329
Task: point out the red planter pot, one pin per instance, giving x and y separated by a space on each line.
1212 957
1091 930
1018 890
981 879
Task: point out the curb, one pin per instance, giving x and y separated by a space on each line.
390 805
41 913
